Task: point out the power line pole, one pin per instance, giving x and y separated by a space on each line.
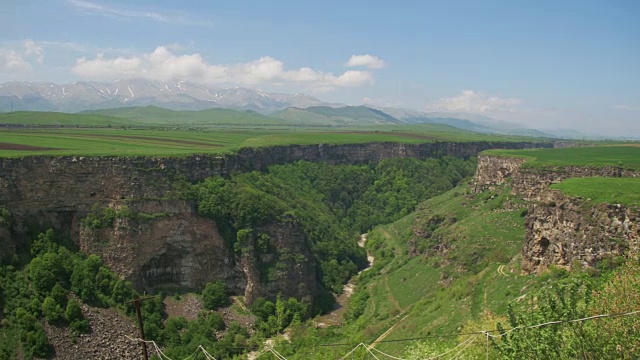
136 305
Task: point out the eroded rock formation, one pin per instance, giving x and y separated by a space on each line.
560 230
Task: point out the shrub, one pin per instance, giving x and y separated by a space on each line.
214 295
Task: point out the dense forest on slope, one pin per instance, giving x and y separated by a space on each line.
334 204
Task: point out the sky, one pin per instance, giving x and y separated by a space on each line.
542 64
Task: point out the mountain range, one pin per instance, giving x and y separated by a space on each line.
180 95
299 109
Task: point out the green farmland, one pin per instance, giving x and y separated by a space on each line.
600 190
627 157
26 133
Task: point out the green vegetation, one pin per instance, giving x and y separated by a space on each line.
52 286
625 157
331 204
325 115
44 289
55 119
452 267
603 190
157 116
215 295
158 132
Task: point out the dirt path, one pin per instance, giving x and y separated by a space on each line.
390 296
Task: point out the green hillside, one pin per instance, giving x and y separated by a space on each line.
56 119
153 115
343 116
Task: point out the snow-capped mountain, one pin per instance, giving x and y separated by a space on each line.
180 95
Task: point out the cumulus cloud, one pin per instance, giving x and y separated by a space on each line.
475 102
13 61
16 58
368 61
162 64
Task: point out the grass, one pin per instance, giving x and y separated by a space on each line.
603 190
153 115
440 292
84 139
627 157
55 119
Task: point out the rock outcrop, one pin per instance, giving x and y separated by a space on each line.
568 232
560 230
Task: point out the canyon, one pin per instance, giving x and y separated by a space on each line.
167 244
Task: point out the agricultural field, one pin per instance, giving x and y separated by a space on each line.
26 133
600 190
626 156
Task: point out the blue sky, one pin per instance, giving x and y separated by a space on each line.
543 63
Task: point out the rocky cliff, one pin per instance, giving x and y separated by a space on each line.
568 232
163 242
560 230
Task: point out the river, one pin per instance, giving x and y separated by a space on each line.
336 316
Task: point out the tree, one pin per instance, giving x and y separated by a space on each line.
76 319
51 310
214 295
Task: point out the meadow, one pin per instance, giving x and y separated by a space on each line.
26 133
627 156
603 190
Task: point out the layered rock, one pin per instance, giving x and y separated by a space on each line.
560 230
568 232
529 182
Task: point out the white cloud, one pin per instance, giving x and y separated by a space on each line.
624 107
13 61
33 49
368 61
475 102
18 58
123 13
162 64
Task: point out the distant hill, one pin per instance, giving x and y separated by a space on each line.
153 115
472 122
336 116
56 119
177 95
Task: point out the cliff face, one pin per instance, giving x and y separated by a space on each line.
529 183
172 247
560 230
567 232
178 249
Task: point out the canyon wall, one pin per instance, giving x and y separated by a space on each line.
561 230
171 246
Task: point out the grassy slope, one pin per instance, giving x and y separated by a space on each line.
438 293
345 116
603 190
56 119
153 115
625 156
